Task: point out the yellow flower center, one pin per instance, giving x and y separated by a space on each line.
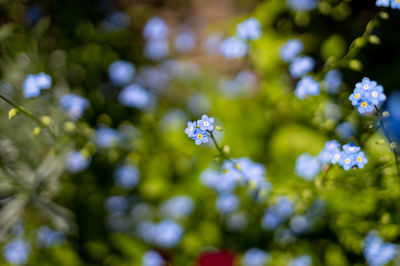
191 128
357 96
347 161
199 136
364 104
359 159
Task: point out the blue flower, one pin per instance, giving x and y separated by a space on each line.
127 176
384 3
191 129
227 203
135 96
301 65
200 136
271 219
333 81
307 86
303 260
255 257
351 148
206 123
331 148
347 160
168 234
47 237
376 251
393 121
155 29
77 161
284 207
156 49
307 166
34 83
221 183
249 29
121 72
233 47
106 137
291 49
299 224
16 252
177 207
395 4
366 94
185 41
116 204
302 5
74 104
361 160
152 258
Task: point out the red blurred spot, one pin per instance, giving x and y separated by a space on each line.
216 258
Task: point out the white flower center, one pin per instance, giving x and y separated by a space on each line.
375 94
365 86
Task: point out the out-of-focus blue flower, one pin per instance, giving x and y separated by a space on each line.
346 130
299 224
307 166
121 72
177 207
47 237
366 95
185 41
152 258
155 29
351 148
16 252
376 251
168 234
361 160
135 96
212 42
147 231
395 4
384 3
331 148
301 65
127 176
307 86
206 123
291 49
255 257
33 14
284 207
393 121
34 83
116 204
250 29
77 161
271 219
333 81
221 183
200 136
106 137
74 105
116 21
303 260
156 49
237 221
227 203
233 47
302 5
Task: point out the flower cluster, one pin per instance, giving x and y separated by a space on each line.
156 33
350 156
376 251
236 46
291 49
200 131
17 251
366 95
33 84
74 105
395 4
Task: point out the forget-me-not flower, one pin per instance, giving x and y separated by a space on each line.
233 47
121 72
16 252
250 29
127 176
135 96
227 203
206 123
307 86
366 95
255 257
77 161
155 29
301 66
333 81
307 166
74 105
291 49
152 258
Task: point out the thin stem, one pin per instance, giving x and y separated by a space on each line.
30 115
219 149
396 159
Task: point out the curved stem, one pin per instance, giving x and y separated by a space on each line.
396 159
219 149
29 114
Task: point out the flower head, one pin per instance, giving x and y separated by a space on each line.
301 65
77 161
351 148
127 176
135 96
155 29
227 203
291 49
361 160
255 257
74 105
347 160
307 166
206 123
200 136
249 29
121 72
395 4
307 86
384 3
191 129
152 258
16 251
333 81
233 47
366 95
33 84
331 148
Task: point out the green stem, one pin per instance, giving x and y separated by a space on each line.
219 149
30 115
396 159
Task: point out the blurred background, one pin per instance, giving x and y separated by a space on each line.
102 173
